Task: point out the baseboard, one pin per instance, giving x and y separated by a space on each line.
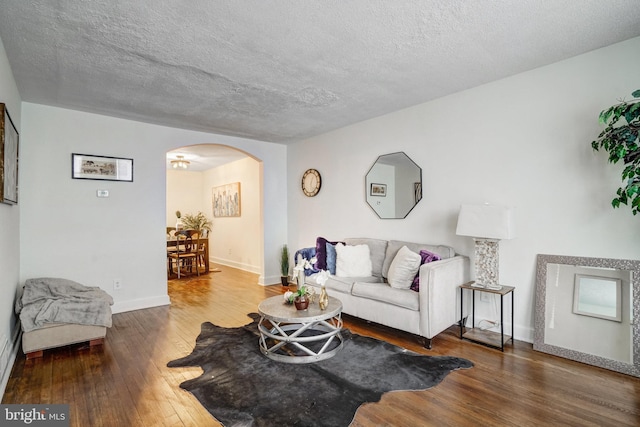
520 333
262 280
14 349
239 265
524 334
139 304
269 280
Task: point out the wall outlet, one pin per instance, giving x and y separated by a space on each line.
117 284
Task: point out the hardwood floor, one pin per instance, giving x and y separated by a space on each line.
126 381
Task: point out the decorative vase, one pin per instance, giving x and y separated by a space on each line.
301 302
300 278
179 225
284 280
323 301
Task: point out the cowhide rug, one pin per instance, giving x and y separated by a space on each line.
241 387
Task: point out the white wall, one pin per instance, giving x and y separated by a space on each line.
184 194
9 226
237 241
523 141
68 232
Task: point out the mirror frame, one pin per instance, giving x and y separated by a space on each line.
539 321
417 191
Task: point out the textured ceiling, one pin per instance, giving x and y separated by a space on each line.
286 70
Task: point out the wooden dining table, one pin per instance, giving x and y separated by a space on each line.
172 242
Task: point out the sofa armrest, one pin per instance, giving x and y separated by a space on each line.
439 293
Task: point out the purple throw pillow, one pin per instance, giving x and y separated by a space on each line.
426 257
321 252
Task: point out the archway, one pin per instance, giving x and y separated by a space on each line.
236 240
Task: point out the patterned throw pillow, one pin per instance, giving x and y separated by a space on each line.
427 257
306 253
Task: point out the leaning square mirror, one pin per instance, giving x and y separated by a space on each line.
587 309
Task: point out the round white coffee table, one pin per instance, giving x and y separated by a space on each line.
299 336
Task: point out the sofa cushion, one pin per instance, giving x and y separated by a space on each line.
377 250
343 284
383 292
394 246
403 268
353 261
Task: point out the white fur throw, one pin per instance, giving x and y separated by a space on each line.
353 261
404 268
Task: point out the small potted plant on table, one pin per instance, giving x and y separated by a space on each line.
300 298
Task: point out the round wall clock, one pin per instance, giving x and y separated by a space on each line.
311 182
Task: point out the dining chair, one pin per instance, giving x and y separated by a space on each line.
201 250
187 253
171 234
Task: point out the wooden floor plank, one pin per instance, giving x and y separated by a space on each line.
125 381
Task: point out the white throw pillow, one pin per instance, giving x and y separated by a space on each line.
353 261
404 268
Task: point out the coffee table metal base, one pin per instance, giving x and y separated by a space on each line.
306 336
301 337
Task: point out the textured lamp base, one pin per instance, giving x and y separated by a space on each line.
486 262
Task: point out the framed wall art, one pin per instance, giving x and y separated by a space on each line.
226 200
378 190
87 166
8 158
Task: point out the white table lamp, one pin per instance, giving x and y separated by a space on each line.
487 224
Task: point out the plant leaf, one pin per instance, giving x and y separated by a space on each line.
632 112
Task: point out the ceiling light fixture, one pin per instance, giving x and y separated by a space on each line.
180 163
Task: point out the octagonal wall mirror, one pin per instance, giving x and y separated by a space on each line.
393 186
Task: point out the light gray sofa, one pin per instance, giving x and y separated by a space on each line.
425 313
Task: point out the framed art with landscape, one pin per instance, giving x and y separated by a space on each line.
8 158
87 166
379 190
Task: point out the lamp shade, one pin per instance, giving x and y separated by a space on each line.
486 222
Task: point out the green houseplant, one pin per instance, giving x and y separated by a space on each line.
197 222
620 139
284 265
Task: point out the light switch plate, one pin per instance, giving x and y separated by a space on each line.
102 193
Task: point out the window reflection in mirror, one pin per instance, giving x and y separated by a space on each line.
598 297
